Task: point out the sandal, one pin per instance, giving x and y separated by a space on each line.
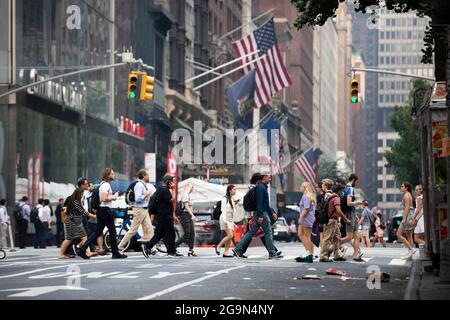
217 250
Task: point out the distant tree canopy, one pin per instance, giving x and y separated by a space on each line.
404 156
328 169
317 12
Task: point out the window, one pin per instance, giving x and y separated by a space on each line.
392 85
388 35
391 198
390 184
393 22
392 97
382 85
392 35
409 34
381 47
380 184
415 22
388 22
381 60
382 35
389 170
381 97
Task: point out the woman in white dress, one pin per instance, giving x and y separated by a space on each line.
226 220
417 220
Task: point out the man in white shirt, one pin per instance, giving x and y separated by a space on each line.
22 224
46 220
4 222
143 190
38 230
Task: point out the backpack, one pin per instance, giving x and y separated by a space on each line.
130 197
322 216
217 210
179 209
95 198
153 204
34 215
18 213
250 200
344 207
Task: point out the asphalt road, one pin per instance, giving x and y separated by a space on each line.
38 274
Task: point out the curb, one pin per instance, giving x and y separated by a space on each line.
412 290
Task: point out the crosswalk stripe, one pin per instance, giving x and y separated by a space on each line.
397 262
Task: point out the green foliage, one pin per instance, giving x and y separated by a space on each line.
404 157
328 169
317 12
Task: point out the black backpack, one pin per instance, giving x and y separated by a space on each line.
18 213
322 216
130 197
34 215
217 210
153 204
250 200
95 198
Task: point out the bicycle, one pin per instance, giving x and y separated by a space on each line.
123 229
2 254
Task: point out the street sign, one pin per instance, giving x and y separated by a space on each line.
150 166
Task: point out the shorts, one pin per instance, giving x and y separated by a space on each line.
365 231
353 227
420 228
225 224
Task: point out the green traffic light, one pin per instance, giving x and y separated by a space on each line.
132 95
354 99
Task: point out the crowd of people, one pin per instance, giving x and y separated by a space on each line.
325 212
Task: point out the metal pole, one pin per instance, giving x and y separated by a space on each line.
226 74
401 74
34 84
245 24
11 239
112 75
221 66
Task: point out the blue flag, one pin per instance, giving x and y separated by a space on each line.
241 100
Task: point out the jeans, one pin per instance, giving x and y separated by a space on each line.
164 229
22 228
59 233
38 234
189 231
267 235
105 218
331 238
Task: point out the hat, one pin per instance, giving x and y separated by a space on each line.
167 177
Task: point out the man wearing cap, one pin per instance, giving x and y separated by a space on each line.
165 218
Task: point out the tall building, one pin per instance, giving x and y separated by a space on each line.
365 41
345 151
325 89
400 41
71 128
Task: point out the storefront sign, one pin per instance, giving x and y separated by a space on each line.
55 91
150 166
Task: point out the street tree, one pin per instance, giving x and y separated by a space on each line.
328 169
404 156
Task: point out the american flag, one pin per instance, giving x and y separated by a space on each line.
271 74
279 145
307 165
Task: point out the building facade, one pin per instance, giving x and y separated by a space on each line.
400 41
325 88
365 41
60 131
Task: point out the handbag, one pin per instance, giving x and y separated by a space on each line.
64 215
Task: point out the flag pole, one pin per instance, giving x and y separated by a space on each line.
226 74
221 66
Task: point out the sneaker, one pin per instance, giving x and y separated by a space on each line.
144 250
238 254
358 259
344 250
279 253
75 248
176 254
275 257
340 259
306 259
119 256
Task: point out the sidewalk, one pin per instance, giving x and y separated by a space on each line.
424 285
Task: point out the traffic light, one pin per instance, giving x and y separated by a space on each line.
132 85
147 87
354 91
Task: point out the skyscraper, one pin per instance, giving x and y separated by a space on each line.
400 40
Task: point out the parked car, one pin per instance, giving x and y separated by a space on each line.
280 230
393 227
207 230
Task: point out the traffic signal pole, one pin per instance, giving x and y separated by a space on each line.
127 58
401 74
